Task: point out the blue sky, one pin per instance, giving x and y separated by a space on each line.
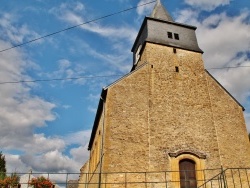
45 126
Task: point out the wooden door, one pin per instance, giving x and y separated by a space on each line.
187 174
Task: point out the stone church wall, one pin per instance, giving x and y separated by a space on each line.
231 129
181 114
169 109
158 110
126 124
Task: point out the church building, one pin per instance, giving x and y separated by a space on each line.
169 122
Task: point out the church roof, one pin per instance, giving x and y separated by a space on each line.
160 12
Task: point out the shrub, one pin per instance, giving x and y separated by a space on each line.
12 180
40 182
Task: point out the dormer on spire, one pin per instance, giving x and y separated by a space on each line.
159 12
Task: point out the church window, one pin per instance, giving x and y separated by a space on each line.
170 35
176 36
187 173
174 50
176 69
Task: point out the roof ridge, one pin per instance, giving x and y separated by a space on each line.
159 12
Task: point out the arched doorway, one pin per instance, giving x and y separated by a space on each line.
187 174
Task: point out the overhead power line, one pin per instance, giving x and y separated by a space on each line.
75 26
92 77
229 67
57 79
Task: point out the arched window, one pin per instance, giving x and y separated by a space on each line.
187 173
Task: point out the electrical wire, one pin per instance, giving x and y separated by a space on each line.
72 27
57 79
94 77
228 67
75 26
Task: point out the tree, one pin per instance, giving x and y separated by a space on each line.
2 166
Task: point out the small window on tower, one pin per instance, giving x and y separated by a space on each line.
176 36
176 69
170 35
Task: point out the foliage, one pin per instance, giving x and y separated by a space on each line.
2 166
5 181
40 182
12 180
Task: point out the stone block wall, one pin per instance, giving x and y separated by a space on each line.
168 108
126 124
230 126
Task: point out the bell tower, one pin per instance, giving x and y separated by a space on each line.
161 29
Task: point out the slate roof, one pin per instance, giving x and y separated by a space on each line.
161 13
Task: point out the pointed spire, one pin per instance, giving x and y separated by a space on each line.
160 12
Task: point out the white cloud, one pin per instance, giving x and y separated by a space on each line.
188 16
118 62
66 107
13 33
49 152
223 37
80 154
52 161
69 14
67 69
120 36
80 137
64 64
236 81
79 7
226 42
207 4
92 109
39 143
14 164
93 97
144 10
26 141
20 112
114 61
